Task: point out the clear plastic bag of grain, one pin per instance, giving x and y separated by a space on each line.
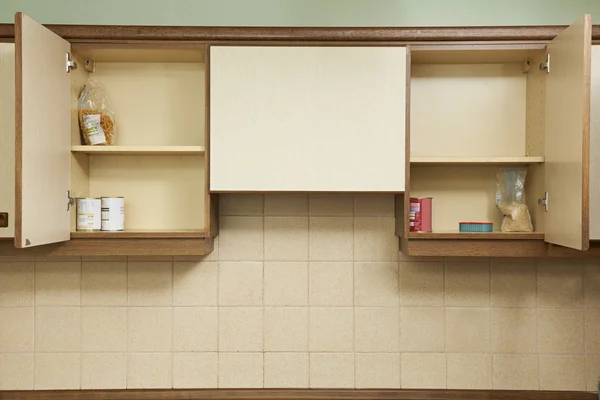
96 116
510 200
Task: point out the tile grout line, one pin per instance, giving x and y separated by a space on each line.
262 300
172 322
489 301
218 309
34 319
127 356
81 322
537 323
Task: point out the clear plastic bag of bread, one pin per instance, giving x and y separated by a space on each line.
510 200
96 116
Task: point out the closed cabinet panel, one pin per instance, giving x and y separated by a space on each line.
7 140
567 151
307 118
595 146
42 130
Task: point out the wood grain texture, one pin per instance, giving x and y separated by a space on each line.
139 150
407 135
232 33
7 136
141 234
524 160
296 394
477 248
595 146
114 247
567 135
211 201
43 135
158 52
477 235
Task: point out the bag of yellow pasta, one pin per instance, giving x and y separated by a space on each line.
96 116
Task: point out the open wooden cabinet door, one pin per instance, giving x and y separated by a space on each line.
42 131
567 135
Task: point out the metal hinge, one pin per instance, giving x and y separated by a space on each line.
3 220
70 200
544 201
70 64
546 64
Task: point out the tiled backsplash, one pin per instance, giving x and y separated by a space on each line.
300 292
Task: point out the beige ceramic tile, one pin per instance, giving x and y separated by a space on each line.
374 205
331 238
16 283
16 329
22 258
55 371
469 371
592 331
514 330
104 329
423 370
107 259
331 329
377 370
241 370
423 329
421 283
195 328
376 284
287 205
241 238
241 329
374 239
104 371
514 284
592 284
103 283
150 284
560 283
561 331
212 256
241 204
150 329
195 370
240 283
286 370
57 259
286 284
377 329
593 372
330 284
329 370
57 283
149 370
57 329
286 238
335 204
195 283
516 372
468 284
16 371
468 330
145 259
286 328
562 372
405 258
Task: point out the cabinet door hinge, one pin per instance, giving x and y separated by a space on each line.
3 220
546 64
70 200
70 64
544 201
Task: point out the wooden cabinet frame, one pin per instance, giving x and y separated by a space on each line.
161 36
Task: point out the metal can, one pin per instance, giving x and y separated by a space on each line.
88 214
113 213
420 214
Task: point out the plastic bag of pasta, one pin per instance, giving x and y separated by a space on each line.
510 200
96 116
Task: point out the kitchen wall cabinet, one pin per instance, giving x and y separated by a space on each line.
207 110
307 118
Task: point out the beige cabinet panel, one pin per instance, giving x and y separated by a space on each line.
595 146
307 118
7 139
43 135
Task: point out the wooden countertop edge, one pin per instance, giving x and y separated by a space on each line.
249 33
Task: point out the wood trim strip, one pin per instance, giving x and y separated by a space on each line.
585 194
293 394
249 33
18 131
114 247
476 248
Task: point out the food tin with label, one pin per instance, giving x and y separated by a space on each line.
420 214
88 214
113 213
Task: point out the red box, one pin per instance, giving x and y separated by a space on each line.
420 214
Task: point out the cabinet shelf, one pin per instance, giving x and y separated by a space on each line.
476 160
139 150
477 235
141 234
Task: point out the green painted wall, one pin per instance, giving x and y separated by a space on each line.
303 12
